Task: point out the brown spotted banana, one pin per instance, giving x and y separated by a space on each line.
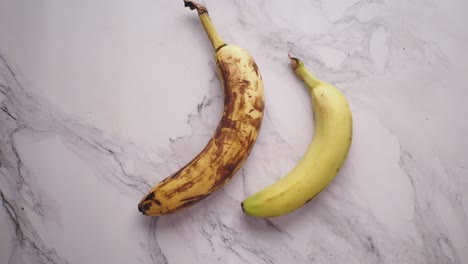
233 139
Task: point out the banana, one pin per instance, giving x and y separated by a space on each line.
233 139
323 159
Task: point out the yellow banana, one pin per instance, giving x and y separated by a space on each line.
322 160
233 140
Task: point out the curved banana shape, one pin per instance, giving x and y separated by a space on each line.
324 157
233 140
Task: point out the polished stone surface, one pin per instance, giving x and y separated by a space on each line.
100 100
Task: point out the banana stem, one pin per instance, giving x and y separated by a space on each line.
303 73
210 29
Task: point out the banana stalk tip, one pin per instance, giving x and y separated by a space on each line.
295 62
194 5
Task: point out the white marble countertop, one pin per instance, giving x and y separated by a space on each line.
100 100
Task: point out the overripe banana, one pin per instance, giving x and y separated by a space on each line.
322 160
235 135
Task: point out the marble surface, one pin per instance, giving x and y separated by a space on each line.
100 100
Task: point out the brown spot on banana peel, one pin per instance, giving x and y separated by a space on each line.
150 196
254 66
228 168
187 204
257 122
144 207
245 84
220 47
230 124
194 198
313 196
259 104
183 187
